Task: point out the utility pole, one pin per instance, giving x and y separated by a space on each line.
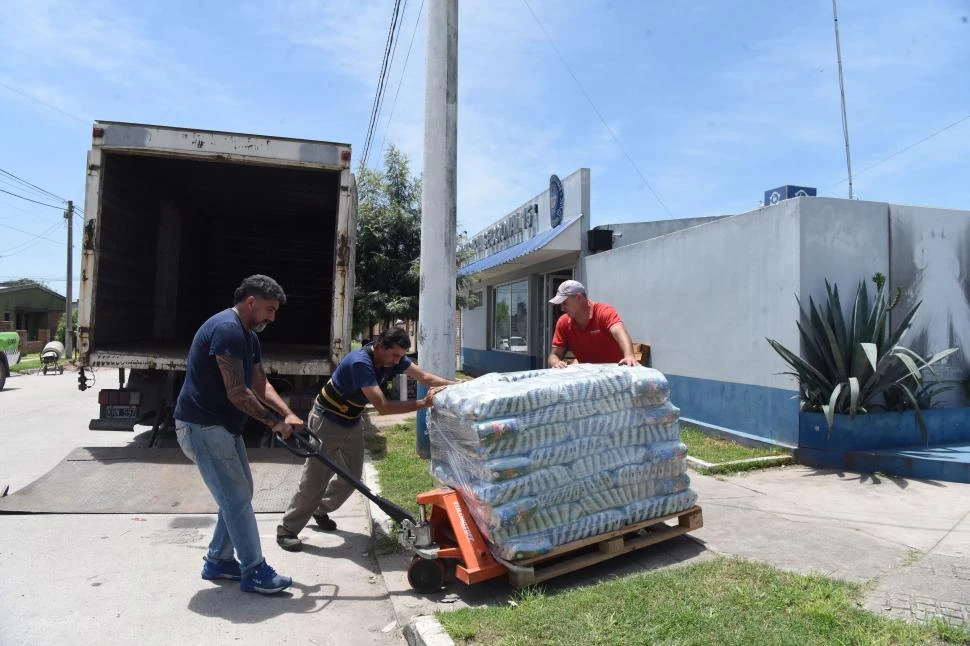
69 309
845 123
436 293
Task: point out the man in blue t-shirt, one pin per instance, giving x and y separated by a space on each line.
335 419
225 384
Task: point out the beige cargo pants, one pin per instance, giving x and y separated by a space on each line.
321 491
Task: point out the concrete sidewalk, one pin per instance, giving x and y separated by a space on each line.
908 540
134 578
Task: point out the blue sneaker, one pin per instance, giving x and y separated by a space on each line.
212 569
264 580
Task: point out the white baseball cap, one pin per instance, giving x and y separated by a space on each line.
566 289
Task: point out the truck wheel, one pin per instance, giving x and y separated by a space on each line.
4 370
426 575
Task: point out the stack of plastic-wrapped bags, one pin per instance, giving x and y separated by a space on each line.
547 457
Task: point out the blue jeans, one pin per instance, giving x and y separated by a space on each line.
222 461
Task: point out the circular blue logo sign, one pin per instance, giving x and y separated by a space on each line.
556 201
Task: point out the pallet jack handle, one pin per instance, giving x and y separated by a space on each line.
305 444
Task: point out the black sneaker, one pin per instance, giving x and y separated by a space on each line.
288 540
324 522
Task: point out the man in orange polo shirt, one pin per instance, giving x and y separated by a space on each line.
593 331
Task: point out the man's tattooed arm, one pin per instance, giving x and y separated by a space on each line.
241 396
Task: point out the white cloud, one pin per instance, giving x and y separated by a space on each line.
101 47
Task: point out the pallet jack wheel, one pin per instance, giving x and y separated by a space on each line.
426 575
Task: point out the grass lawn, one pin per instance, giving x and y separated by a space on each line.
403 475
28 362
710 448
720 601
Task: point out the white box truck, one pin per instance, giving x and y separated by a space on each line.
174 219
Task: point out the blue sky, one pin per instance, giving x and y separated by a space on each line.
710 104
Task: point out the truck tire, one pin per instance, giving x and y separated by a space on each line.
4 370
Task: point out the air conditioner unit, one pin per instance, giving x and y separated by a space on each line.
599 239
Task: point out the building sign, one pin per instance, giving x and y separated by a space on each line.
556 201
513 229
543 212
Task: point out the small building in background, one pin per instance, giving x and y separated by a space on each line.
31 309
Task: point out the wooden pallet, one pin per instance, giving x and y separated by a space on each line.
583 553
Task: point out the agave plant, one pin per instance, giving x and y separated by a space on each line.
858 365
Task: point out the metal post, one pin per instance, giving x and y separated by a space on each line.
69 309
845 123
436 294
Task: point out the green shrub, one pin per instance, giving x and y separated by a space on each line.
858 365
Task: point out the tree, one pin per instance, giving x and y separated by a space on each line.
463 283
388 242
59 333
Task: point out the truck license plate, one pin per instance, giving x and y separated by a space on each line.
114 412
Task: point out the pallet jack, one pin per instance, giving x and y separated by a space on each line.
447 540
460 544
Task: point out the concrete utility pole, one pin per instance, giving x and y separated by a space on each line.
436 294
69 309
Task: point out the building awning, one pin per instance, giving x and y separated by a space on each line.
563 240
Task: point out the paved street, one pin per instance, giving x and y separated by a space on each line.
134 579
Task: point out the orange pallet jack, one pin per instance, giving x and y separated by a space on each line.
449 536
457 540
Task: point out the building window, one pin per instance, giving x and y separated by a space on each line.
510 317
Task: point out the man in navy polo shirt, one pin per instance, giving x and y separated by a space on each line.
335 419
225 384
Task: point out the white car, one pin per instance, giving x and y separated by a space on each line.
514 344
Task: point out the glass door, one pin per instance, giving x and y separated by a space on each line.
550 313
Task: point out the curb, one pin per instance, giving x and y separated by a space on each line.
424 630
421 630
767 461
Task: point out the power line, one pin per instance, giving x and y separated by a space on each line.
22 189
404 69
34 186
37 238
21 248
902 150
381 81
43 103
37 190
379 93
53 206
593 105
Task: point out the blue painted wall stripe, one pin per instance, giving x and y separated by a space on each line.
769 414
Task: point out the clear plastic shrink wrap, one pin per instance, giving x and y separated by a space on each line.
546 457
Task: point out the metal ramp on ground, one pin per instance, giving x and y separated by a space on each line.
139 480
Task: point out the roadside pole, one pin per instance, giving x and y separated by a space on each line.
69 309
436 294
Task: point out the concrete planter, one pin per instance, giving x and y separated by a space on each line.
818 447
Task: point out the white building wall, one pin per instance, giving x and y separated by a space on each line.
844 242
706 297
